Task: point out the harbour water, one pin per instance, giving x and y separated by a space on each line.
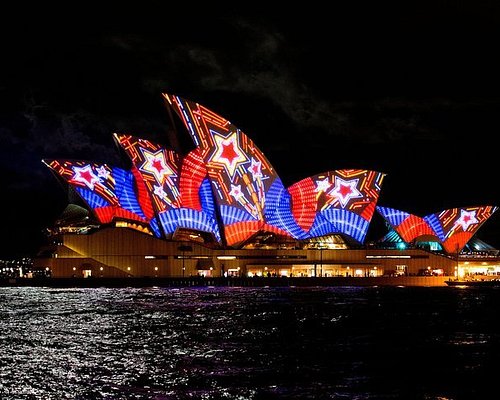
249 343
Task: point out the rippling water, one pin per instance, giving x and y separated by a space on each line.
249 343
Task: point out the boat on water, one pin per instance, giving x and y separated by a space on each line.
474 283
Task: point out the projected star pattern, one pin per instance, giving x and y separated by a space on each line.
107 191
453 228
161 171
91 177
244 179
239 172
341 201
227 180
158 168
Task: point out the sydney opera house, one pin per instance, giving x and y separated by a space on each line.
222 210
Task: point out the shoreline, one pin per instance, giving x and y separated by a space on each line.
423 281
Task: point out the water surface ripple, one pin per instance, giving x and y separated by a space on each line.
248 343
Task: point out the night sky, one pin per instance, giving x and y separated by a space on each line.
413 93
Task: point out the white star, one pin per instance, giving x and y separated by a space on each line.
236 191
344 191
228 152
86 176
155 164
255 169
158 190
467 218
102 172
322 185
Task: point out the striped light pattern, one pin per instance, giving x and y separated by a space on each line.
193 173
345 198
435 225
322 227
279 211
92 199
171 183
124 188
109 192
304 200
232 215
157 167
143 196
239 172
460 224
392 216
347 223
191 219
227 183
452 228
207 198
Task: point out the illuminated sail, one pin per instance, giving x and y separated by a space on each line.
239 172
228 188
158 168
109 192
175 186
341 201
460 224
453 228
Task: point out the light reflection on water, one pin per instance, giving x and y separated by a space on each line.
248 343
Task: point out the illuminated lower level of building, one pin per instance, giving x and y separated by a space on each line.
118 252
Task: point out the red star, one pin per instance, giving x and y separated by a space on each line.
158 165
255 169
87 176
345 190
228 152
155 163
467 218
